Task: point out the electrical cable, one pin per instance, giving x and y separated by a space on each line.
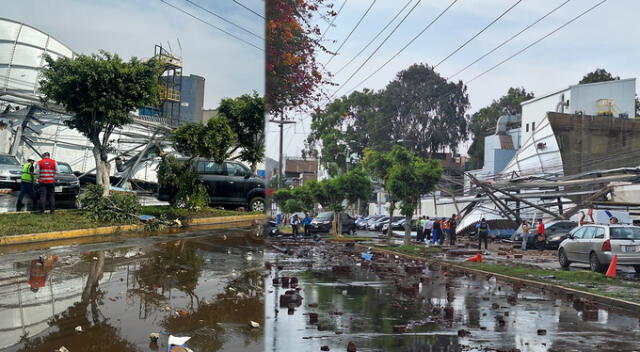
350 33
332 20
510 39
477 34
224 19
378 48
537 41
248 9
375 37
210 25
404 47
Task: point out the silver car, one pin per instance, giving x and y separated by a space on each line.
10 171
596 245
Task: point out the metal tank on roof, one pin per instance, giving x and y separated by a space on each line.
22 52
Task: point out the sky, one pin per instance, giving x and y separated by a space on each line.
132 28
603 38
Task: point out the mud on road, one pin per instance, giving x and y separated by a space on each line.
326 297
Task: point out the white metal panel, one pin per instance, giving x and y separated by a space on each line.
59 48
32 36
27 56
9 30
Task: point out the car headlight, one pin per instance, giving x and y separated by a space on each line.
556 238
75 183
15 172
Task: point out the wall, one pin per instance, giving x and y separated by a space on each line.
585 96
533 111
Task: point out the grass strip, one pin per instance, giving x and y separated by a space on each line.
24 223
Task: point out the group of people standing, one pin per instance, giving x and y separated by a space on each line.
43 173
434 231
540 238
295 222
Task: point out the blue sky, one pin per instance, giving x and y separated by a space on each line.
132 28
604 38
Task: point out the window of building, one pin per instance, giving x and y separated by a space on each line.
527 128
533 126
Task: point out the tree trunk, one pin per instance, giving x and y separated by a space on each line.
103 169
337 223
392 207
407 229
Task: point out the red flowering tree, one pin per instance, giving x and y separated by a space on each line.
293 38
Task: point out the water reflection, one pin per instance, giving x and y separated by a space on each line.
205 287
389 309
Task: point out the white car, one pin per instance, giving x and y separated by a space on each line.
596 245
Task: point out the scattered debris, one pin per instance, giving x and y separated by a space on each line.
254 324
79 329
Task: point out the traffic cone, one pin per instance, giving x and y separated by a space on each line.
476 258
611 272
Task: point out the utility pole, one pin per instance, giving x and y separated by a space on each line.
281 124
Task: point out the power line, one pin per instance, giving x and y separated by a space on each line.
332 20
211 25
353 30
374 38
537 41
224 19
510 39
406 45
477 34
248 9
376 50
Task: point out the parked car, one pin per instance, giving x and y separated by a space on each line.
377 224
322 223
10 172
362 220
229 183
399 225
555 231
596 245
67 185
394 219
364 225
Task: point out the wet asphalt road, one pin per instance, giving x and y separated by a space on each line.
363 307
203 284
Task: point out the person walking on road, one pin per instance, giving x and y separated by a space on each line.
483 233
428 226
525 235
540 236
453 222
306 223
27 184
46 169
420 232
295 221
436 233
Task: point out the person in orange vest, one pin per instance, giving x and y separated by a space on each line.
540 235
39 270
46 170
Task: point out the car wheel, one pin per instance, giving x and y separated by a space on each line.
256 204
636 268
562 258
594 263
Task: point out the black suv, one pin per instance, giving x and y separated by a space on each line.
229 183
322 223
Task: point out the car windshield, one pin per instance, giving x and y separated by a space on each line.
8 160
64 168
625 233
325 216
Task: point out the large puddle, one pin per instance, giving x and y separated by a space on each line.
206 285
382 307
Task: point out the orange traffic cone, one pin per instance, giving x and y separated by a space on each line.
611 272
476 258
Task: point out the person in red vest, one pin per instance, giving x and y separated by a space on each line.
39 270
46 170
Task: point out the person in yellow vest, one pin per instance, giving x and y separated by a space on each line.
27 182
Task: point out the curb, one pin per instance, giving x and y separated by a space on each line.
109 230
609 301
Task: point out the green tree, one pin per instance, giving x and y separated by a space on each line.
483 122
100 91
346 127
409 178
209 141
426 113
599 75
379 164
245 115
